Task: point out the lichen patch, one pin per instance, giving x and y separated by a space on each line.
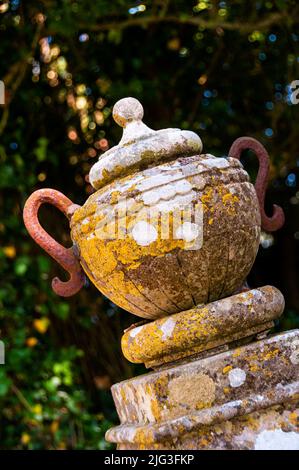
236 377
167 328
277 440
135 331
194 391
294 357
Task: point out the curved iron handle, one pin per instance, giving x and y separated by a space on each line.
270 224
64 256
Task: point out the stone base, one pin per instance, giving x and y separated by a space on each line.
245 398
270 429
212 388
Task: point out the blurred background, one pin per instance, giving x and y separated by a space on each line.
220 68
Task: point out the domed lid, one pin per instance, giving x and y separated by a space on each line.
140 147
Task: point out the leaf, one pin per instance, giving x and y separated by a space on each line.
62 310
5 382
44 264
21 265
40 150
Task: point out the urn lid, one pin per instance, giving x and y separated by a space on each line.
140 147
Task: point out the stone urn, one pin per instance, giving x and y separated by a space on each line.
168 227
170 234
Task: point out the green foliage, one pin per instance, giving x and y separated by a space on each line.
220 69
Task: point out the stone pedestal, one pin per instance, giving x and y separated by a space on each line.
213 386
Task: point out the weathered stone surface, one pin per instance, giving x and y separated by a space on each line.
245 398
273 428
162 263
140 146
203 327
165 276
167 229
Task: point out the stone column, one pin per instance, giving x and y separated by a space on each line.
220 380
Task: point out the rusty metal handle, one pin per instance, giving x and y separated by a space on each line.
64 256
270 224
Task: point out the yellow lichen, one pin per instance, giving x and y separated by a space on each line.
155 408
226 369
237 352
123 395
192 326
271 354
114 198
207 197
203 442
294 418
229 198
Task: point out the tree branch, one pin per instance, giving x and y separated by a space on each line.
21 397
142 21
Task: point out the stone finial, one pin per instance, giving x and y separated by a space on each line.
140 146
127 110
128 114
